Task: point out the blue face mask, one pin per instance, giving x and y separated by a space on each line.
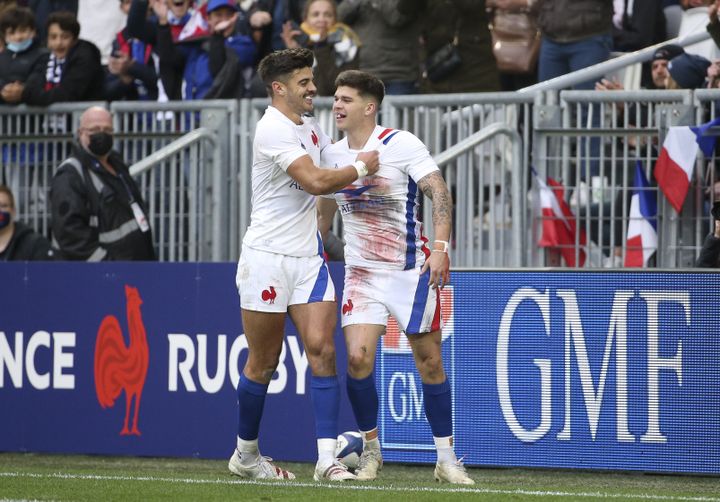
4 219
19 46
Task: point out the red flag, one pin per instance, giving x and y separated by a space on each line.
559 227
676 162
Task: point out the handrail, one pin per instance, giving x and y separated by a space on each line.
195 136
484 134
172 148
599 70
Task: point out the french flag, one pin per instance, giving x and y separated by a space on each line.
196 27
559 227
676 162
642 230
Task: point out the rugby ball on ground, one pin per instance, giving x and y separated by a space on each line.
349 448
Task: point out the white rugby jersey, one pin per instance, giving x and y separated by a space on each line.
380 212
283 218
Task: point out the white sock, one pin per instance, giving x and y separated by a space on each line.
326 450
371 444
444 447
249 451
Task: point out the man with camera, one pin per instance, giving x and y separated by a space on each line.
710 252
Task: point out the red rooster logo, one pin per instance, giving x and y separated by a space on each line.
315 139
268 295
347 308
119 367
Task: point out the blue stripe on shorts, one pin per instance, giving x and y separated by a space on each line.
418 309
321 284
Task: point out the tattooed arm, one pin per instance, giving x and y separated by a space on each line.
434 187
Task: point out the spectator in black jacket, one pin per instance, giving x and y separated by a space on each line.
23 55
132 70
18 241
97 210
168 20
72 73
710 252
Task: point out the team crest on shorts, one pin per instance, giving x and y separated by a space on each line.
269 295
348 307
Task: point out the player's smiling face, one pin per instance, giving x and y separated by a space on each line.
349 108
301 90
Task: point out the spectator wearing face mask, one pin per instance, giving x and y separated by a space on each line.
97 211
17 240
72 71
23 56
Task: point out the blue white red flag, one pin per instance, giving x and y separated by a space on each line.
641 240
676 162
559 228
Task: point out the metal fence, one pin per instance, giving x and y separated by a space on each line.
187 194
590 141
199 195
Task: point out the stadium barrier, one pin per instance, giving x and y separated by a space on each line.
200 196
549 368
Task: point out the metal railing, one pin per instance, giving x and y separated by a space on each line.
597 71
202 245
465 251
591 141
187 194
199 192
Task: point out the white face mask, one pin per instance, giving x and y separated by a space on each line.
19 46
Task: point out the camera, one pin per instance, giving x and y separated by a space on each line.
716 210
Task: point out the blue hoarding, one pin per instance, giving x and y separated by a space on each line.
552 369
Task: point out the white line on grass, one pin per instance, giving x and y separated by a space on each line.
357 487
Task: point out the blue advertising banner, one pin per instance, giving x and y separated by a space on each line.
550 369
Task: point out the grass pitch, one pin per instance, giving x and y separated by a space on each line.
65 477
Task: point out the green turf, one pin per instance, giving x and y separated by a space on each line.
65 477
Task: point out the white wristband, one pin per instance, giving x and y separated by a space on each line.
361 168
446 246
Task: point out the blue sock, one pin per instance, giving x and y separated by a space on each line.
364 401
438 408
251 400
325 393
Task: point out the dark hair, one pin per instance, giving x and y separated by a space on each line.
365 83
16 17
279 65
6 190
66 20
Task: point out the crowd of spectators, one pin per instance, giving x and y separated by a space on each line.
86 50
158 50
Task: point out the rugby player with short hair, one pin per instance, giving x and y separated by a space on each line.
281 268
388 267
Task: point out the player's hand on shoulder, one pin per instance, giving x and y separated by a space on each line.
371 160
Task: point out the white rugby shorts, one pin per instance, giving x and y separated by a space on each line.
270 282
371 295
